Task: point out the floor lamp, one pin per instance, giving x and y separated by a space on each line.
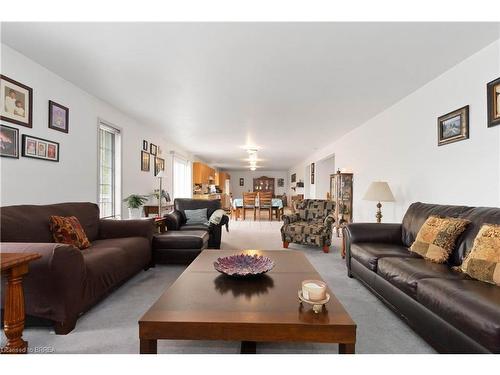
160 176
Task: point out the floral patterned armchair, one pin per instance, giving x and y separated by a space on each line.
310 225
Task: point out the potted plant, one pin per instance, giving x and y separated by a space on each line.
134 203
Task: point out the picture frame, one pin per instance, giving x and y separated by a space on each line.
242 181
9 142
39 148
58 117
153 149
454 126
294 177
493 98
16 102
145 157
159 165
145 145
312 173
281 182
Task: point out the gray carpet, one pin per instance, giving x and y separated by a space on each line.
111 326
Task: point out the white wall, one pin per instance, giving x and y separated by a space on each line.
74 178
400 145
238 190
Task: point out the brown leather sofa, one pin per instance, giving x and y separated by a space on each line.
452 312
176 220
67 281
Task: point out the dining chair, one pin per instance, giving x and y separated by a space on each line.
266 203
249 203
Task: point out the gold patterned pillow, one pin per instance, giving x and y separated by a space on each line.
436 239
483 261
68 230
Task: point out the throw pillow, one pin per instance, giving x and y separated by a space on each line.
483 261
68 230
436 239
217 217
196 216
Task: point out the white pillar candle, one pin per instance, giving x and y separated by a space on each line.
313 290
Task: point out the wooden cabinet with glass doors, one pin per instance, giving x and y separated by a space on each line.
341 194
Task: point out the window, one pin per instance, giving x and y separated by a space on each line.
181 178
109 167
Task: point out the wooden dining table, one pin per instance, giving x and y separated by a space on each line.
277 205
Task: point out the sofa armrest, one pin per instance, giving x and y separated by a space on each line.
373 232
111 228
173 220
54 284
287 219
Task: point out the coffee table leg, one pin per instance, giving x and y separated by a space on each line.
248 347
148 346
14 311
347 348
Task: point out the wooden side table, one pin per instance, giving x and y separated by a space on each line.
14 266
148 209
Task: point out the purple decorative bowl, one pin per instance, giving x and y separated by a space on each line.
244 265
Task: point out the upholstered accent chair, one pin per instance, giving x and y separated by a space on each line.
310 225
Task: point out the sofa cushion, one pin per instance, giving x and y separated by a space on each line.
306 227
68 230
418 213
198 216
181 240
483 261
471 306
197 227
30 223
109 262
436 238
368 253
405 273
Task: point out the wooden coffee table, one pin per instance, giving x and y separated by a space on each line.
203 304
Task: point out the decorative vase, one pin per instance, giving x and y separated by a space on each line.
134 213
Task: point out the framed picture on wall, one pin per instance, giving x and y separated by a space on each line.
152 149
9 142
294 177
58 117
242 181
159 165
16 102
39 148
145 161
281 182
145 145
312 173
453 126
493 89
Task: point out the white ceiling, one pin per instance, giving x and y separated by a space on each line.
288 88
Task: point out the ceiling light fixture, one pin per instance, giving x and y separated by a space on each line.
253 168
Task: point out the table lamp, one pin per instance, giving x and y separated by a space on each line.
160 176
379 191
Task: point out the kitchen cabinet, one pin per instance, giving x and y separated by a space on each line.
202 173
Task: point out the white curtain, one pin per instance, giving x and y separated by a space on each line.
182 178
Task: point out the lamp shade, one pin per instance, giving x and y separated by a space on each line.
160 174
379 191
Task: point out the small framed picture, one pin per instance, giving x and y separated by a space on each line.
159 165
281 182
39 148
493 89
453 126
242 181
58 117
294 177
16 102
9 142
145 161
145 145
153 149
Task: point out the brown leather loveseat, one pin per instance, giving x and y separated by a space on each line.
454 313
66 281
